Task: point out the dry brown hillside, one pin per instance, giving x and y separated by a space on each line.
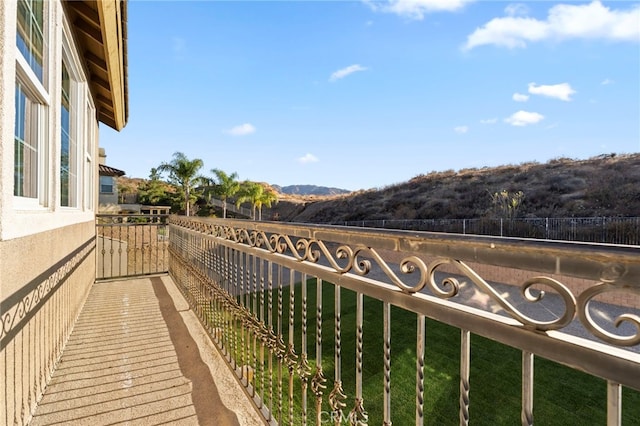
607 185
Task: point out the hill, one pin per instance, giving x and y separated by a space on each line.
607 185
309 190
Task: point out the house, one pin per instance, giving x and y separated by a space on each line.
108 199
63 70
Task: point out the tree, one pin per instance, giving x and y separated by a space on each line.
249 192
257 195
154 191
267 198
227 186
123 190
183 173
506 204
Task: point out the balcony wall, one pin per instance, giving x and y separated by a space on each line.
44 281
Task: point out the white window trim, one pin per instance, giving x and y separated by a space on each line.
90 148
77 99
36 91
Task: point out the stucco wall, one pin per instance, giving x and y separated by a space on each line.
44 281
16 220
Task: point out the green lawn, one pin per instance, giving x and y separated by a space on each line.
562 396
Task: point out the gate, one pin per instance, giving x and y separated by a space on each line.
131 245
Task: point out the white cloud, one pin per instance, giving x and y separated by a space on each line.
524 118
516 9
416 9
564 21
489 121
308 158
562 91
342 73
242 130
607 81
519 97
461 129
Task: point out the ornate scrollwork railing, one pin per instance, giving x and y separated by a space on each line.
430 275
350 259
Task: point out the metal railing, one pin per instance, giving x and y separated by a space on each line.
306 316
131 245
612 230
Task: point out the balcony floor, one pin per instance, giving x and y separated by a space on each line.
138 355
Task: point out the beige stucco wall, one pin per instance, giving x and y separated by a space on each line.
47 252
16 220
44 281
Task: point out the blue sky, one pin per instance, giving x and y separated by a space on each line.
363 94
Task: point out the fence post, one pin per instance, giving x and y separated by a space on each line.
546 228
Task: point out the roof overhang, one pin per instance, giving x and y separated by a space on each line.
100 28
104 170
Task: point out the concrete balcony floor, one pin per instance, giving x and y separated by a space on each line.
138 355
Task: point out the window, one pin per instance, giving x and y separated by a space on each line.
68 142
106 184
31 101
30 34
26 146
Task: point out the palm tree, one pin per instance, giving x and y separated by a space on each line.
267 198
249 192
257 195
184 174
226 187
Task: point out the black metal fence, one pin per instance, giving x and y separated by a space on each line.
131 245
613 230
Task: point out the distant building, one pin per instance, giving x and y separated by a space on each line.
108 189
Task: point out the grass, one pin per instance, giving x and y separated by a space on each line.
563 396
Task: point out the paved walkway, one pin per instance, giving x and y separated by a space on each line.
138 356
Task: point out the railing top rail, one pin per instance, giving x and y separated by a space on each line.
619 264
132 215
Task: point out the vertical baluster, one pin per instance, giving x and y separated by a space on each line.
263 330
129 248
337 396
119 255
614 404
420 337
270 327
146 248
465 366
358 414
156 244
254 312
281 343
235 255
243 305
386 323
291 354
224 255
304 370
527 388
318 382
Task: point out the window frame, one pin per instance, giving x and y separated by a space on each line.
90 171
112 192
77 121
35 90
